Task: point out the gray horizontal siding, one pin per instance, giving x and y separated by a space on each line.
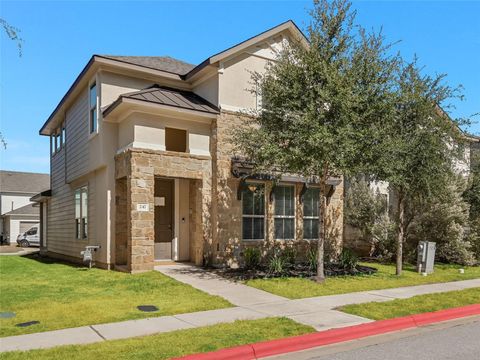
67 165
77 127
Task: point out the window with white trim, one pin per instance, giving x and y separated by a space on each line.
64 135
284 213
52 144
81 213
253 212
58 141
311 200
93 108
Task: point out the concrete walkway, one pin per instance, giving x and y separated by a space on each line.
250 304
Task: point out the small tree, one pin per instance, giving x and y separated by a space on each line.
419 144
444 220
363 208
472 196
322 104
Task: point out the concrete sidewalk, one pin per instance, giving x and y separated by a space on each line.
251 304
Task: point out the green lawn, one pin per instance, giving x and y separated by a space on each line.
385 278
415 305
63 296
172 344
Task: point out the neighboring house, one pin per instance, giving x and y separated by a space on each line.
352 235
17 212
142 164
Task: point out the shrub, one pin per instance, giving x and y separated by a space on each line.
384 239
363 207
348 259
443 220
277 263
252 257
289 255
312 259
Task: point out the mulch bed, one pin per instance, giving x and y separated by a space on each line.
299 270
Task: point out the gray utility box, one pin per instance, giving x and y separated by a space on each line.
426 256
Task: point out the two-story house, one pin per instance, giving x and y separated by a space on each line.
17 212
142 164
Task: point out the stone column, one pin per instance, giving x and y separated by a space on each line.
141 222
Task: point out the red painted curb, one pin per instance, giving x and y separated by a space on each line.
332 336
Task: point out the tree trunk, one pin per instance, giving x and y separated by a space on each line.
322 207
401 231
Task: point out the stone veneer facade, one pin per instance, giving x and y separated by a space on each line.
135 172
215 213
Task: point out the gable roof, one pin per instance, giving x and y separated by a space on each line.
23 182
29 209
287 25
162 63
165 66
167 96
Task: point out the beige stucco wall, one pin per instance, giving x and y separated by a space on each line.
235 79
148 132
207 88
113 85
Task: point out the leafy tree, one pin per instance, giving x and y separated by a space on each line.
419 143
472 196
444 220
13 34
322 104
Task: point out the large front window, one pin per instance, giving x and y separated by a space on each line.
284 212
93 108
310 214
81 213
253 212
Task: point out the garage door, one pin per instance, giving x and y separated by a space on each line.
24 226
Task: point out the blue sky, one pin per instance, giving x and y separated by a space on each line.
60 37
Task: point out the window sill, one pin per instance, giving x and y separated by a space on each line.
92 135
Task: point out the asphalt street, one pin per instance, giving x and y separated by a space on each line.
459 340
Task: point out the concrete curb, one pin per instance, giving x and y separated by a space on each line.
332 336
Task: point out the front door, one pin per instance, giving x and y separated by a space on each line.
163 218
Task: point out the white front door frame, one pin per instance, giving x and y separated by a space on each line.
176 220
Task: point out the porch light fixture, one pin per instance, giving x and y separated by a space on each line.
252 187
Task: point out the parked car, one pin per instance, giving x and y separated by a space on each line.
30 237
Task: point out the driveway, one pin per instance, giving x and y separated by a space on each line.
16 250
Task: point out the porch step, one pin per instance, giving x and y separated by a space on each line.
165 262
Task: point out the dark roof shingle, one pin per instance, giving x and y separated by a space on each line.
163 63
23 182
29 209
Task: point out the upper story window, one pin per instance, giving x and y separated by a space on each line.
93 108
58 140
52 144
253 212
81 213
175 140
64 135
310 213
284 215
